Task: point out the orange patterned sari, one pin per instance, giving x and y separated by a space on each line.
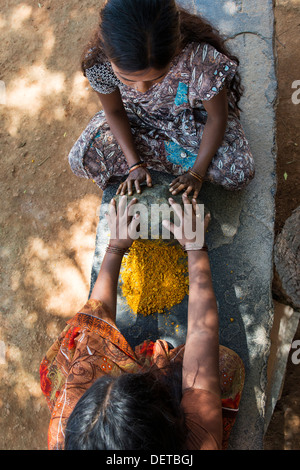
90 347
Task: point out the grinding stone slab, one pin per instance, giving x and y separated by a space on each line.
241 233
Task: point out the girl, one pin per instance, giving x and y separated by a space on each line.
170 92
104 395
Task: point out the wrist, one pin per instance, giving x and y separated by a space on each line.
137 165
196 174
190 247
117 249
196 258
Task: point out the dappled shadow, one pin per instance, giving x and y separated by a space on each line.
48 216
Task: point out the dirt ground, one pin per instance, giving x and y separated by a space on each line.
49 217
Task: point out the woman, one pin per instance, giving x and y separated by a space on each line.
170 93
104 395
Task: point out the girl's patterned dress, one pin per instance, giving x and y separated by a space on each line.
167 123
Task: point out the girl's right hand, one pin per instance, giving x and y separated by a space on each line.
134 178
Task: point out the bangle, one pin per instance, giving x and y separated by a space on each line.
196 175
194 247
140 161
137 165
117 250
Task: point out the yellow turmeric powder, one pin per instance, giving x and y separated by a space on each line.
154 276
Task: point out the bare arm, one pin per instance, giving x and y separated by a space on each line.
105 288
213 134
121 224
214 130
120 127
119 124
201 356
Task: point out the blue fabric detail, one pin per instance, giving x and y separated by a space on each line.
182 94
179 156
95 137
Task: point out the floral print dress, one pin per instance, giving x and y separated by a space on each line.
167 123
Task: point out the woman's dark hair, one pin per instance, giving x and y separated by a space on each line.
141 34
131 412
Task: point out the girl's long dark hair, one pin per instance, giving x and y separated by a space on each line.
131 412
139 34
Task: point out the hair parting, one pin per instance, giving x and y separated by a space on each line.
136 38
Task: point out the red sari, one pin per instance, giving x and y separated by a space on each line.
91 346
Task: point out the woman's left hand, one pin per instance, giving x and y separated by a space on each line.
122 223
186 182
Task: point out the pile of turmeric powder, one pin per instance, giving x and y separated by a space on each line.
154 276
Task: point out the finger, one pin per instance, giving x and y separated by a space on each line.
148 180
188 190
195 206
111 218
137 186
174 182
178 188
207 220
119 188
129 187
124 188
132 202
132 229
112 206
122 205
176 207
129 210
185 198
198 209
196 193
168 225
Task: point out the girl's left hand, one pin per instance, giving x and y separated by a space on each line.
187 182
122 223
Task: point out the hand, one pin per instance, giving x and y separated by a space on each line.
135 177
187 182
188 221
123 226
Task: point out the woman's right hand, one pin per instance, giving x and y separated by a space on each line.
188 221
137 176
